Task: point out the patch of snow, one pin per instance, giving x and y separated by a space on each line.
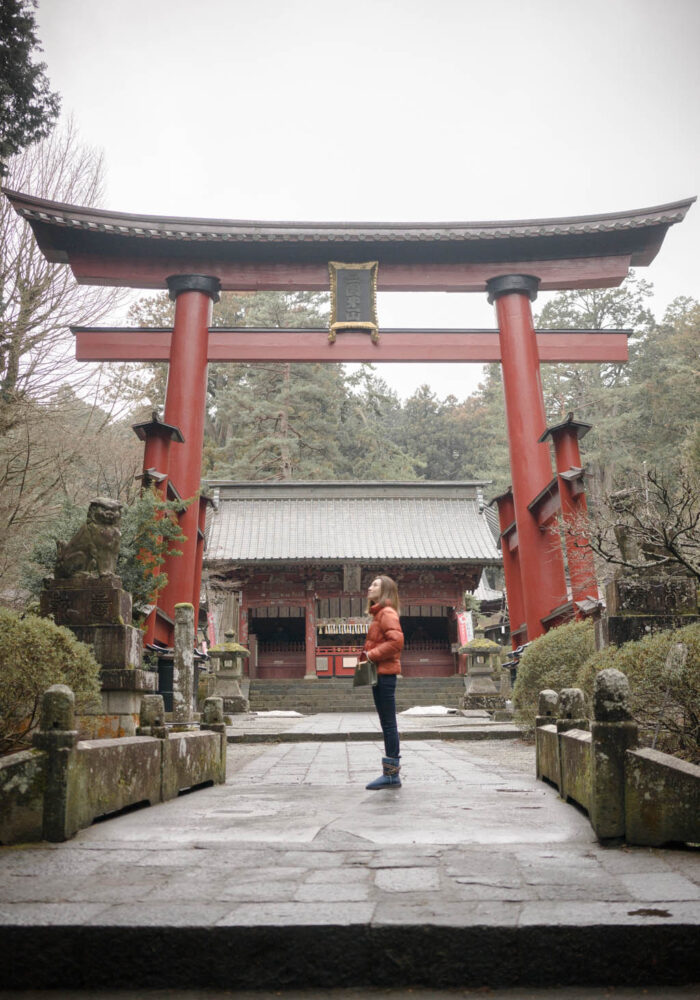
281 715
430 710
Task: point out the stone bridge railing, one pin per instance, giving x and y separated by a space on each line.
64 784
638 795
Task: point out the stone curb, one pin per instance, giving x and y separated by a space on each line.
343 954
510 733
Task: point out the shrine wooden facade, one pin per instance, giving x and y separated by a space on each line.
288 566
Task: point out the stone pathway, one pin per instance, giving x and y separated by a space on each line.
478 868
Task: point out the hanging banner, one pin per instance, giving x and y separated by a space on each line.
353 298
465 627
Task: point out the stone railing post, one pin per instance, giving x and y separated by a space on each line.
571 710
58 736
546 716
152 717
613 732
213 715
183 664
572 715
547 708
213 720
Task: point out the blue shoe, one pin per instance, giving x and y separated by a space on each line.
390 777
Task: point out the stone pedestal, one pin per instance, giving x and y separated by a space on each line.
85 600
483 661
116 647
649 601
226 680
227 685
98 612
123 690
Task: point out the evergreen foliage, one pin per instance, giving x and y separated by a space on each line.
316 421
28 108
551 661
660 697
34 654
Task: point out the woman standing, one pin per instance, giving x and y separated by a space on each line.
383 648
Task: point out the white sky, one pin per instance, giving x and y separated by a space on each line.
392 110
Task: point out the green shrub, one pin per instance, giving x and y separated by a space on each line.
673 700
550 661
34 654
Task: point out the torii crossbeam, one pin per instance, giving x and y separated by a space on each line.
250 345
197 258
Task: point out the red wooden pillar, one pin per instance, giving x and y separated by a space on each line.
310 630
185 403
541 561
511 565
243 623
574 509
158 437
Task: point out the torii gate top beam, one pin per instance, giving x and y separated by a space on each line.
141 251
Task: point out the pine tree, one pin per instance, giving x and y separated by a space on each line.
28 109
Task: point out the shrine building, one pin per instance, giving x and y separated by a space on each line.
288 565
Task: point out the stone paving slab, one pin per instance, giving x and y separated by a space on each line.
361 726
291 874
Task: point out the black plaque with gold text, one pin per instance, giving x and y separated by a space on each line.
353 298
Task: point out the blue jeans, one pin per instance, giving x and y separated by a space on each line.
384 692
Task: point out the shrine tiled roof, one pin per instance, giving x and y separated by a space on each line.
331 522
544 234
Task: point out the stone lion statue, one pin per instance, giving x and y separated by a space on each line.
93 549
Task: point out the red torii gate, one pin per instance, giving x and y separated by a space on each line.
510 261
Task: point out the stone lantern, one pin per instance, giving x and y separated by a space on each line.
227 668
483 661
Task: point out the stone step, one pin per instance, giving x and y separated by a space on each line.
334 947
338 695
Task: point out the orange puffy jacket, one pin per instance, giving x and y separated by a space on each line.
385 639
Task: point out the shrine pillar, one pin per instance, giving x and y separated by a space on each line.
310 631
511 565
158 438
567 457
541 561
185 403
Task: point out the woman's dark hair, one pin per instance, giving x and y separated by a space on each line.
388 595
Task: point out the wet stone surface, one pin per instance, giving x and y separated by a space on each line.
292 845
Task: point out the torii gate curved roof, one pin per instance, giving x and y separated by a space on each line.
140 251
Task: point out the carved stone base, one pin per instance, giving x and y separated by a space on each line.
227 686
86 601
614 630
115 646
122 690
652 593
480 682
487 702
